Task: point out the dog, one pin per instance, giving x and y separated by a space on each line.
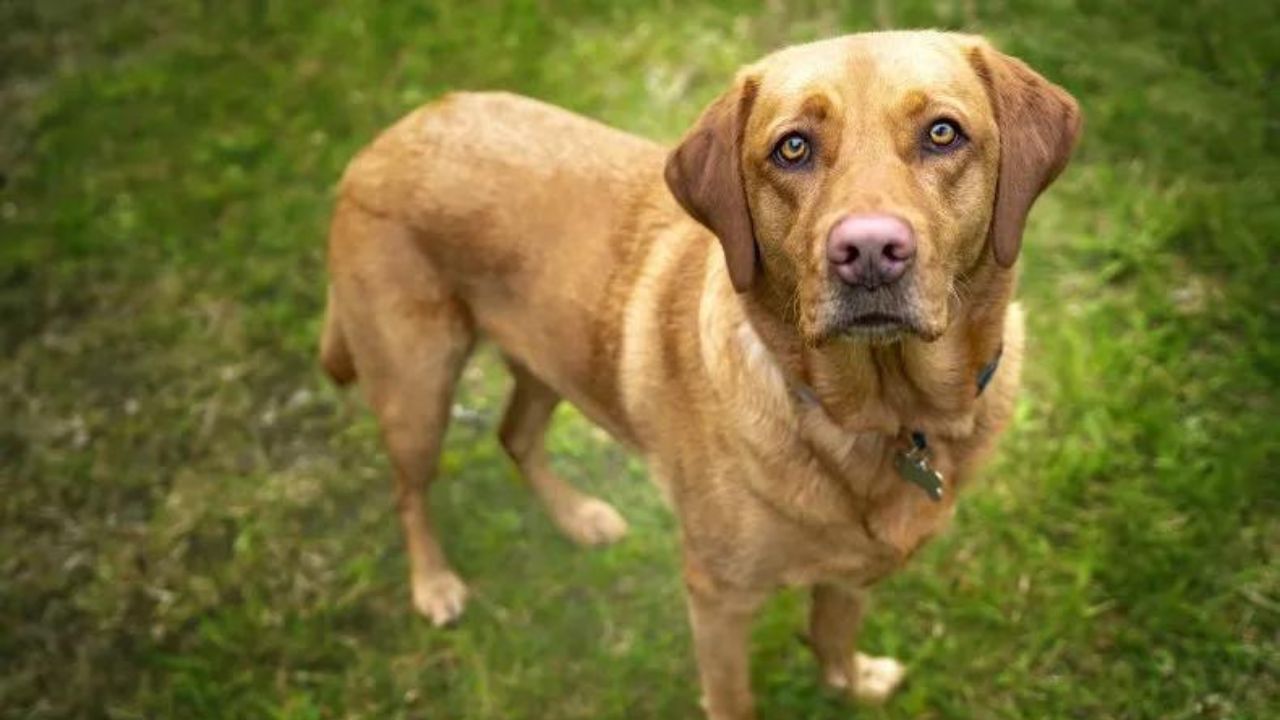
802 316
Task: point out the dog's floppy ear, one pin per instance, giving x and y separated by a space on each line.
1039 123
704 174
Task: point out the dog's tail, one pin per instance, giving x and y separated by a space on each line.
335 355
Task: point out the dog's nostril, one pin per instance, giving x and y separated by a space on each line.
896 252
844 253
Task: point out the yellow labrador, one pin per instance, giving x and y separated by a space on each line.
793 315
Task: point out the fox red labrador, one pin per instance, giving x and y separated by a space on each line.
802 316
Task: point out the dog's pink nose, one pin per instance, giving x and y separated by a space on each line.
871 250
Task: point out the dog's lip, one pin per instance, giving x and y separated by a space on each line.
876 320
873 326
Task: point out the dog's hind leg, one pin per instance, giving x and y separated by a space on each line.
584 519
409 338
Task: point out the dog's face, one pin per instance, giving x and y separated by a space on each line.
865 177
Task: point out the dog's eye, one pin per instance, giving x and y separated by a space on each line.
791 151
944 134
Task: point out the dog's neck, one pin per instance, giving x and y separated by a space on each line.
910 383
867 401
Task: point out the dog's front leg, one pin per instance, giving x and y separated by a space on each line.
834 618
721 623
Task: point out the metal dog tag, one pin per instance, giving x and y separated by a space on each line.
913 466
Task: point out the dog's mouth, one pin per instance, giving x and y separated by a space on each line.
875 327
879 316
875 321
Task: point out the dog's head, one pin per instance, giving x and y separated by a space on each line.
862 178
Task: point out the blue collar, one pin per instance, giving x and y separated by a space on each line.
988 371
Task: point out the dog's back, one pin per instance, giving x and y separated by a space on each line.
522 211
497 162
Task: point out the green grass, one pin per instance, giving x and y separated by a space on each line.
194 524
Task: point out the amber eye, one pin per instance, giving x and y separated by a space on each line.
943 134
791 151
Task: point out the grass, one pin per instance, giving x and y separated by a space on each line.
194 524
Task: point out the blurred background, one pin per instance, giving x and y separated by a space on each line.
194 524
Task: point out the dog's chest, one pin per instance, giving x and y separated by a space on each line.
812 525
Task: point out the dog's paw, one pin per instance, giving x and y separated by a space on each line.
440 597
591 521
877 678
